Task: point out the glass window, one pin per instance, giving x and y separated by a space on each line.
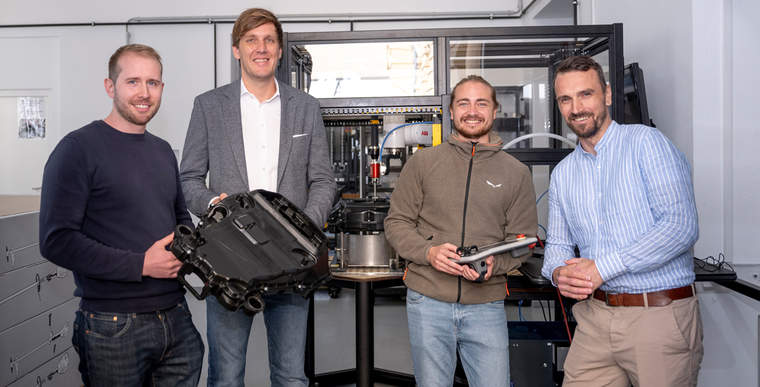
372 69
519 70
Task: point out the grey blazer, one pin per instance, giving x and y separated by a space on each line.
214 146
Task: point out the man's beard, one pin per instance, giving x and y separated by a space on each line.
596 124
468 135
123 109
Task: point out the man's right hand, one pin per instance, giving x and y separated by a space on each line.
440 258
160 262
218 198
573 283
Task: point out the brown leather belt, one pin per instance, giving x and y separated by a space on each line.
660 298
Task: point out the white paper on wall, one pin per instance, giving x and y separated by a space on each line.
31 117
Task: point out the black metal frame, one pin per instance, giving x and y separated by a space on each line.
598 38
365 373
587 39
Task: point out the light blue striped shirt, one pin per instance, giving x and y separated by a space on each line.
630 208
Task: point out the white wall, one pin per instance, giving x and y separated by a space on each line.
33 71
745 137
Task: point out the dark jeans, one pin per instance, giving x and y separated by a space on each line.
160 348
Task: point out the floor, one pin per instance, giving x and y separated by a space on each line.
335 335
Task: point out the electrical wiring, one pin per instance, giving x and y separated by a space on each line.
541 196
540 225
711 264
531 135
545 233
564 316
543 311
519 310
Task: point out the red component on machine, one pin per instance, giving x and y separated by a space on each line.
374 170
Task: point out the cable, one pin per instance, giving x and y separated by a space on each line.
546 233
543 311
541 196
380 157
711 264
564 316
531 135
519 310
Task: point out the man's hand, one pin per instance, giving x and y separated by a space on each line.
472 275
440 258
159 262
218 198
578 279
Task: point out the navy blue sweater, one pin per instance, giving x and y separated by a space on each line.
107 196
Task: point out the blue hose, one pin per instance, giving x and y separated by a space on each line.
380 157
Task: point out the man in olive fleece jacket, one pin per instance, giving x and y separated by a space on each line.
464 192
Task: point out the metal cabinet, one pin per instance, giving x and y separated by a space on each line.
58 371
37 307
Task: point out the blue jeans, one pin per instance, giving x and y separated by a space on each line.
437 330
160 348
285 317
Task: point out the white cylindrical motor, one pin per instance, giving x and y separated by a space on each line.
396 139
418 134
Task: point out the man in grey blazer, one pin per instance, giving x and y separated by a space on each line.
257 133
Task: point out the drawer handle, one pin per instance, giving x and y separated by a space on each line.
53 337
59 273
10 254
63 365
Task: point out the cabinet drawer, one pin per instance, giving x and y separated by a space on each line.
19 241
29 291
61 371
35 341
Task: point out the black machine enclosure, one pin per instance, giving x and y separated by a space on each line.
249 245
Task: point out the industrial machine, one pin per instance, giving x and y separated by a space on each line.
368 150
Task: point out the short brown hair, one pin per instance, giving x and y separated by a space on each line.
139 49
474 78
252 18
580 63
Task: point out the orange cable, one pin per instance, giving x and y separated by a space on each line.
564 316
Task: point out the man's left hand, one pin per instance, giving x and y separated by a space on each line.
587 267
470 274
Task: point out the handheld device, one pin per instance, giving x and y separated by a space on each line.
475 256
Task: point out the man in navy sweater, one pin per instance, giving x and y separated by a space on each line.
111 199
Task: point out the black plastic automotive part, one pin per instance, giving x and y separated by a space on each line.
249 245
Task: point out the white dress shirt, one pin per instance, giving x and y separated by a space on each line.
261 137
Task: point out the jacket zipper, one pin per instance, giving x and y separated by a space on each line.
464 214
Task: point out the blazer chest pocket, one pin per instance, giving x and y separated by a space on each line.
299 148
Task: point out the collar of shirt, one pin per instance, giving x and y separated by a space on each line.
244 92
607 138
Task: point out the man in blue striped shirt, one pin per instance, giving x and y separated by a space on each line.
625 198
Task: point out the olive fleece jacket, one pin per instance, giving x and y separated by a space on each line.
427 209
